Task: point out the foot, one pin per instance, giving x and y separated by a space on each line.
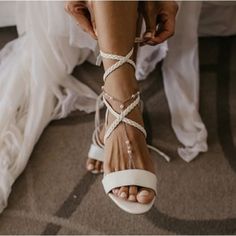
116 155
92 165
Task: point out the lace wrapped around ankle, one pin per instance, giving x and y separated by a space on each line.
130 176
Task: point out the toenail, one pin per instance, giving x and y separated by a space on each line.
123 195
144 193
132 198
116 191
90 166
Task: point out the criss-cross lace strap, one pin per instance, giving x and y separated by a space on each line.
120 61
121 117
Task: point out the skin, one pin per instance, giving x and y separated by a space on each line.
153 12
103 22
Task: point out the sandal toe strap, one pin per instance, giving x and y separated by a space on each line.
137 177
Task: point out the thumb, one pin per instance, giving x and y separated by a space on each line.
80 11
150 17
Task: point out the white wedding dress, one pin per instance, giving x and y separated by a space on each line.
36 86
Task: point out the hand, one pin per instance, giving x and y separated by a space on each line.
155 13
83 14
161 13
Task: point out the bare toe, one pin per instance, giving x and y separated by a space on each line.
98 165
133 190
145 195
101 170
115 191
123 192
90 164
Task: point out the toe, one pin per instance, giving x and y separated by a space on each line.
101 170
98 166
115 191
145 195
90 164
123 192
133 190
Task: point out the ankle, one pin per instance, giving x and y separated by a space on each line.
120 105
121 88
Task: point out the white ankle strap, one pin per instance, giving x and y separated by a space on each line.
120 61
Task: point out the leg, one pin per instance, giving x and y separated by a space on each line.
93 164
112 39
116 35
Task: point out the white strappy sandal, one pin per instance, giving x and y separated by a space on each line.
129 177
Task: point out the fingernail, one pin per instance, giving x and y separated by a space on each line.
123 195
147 35
144 193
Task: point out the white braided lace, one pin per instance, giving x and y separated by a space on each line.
120 61
122 118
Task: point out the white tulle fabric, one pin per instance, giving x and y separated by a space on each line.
35 85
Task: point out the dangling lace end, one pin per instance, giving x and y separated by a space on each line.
166 157
99 60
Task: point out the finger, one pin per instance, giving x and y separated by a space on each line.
81 14
166 30
85 24
150 16
92 18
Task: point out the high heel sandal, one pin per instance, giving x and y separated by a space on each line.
131 176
